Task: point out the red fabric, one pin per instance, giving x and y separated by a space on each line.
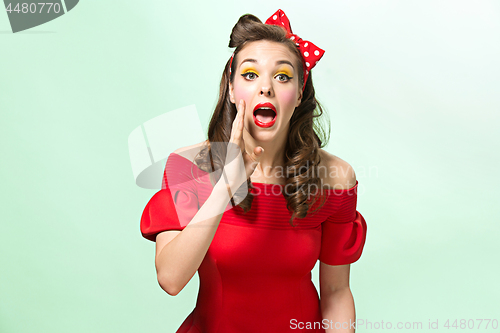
256 275
159 215
310 53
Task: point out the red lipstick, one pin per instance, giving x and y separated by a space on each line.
264 106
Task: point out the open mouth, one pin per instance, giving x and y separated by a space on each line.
264 114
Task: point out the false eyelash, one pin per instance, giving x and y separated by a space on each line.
289 77
246 73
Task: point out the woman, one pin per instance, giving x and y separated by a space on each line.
254 214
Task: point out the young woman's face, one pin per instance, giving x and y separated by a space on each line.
267 78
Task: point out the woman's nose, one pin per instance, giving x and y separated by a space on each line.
266 91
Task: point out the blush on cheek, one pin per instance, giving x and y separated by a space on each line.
241 94
288 98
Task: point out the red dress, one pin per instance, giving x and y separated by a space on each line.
256 275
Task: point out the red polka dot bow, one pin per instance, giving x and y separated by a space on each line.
311 54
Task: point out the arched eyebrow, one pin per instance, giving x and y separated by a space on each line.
279 62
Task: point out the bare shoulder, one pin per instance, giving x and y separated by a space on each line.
191 151
335 172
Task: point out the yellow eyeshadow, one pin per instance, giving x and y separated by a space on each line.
281 71
285 72
249 70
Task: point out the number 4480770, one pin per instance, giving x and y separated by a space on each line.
471 324
33 7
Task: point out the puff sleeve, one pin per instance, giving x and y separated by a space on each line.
344 232
174 206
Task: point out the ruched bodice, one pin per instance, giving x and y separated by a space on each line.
256 275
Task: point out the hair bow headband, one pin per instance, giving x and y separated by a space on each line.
310 53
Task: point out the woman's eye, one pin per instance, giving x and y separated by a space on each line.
249 75
282 77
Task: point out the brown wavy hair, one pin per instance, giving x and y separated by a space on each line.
303 144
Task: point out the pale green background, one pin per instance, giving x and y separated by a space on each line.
412 89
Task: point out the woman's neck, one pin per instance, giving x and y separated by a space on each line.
272 162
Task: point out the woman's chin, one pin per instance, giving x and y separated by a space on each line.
263 134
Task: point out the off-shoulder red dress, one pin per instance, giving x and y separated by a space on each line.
256 275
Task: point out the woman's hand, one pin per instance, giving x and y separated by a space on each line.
240 164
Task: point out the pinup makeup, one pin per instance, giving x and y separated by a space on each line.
264 115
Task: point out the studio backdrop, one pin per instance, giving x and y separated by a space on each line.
410 90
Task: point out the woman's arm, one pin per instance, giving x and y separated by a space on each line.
180 253
337 303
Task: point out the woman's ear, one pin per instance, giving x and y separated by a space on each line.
299 100
231 93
